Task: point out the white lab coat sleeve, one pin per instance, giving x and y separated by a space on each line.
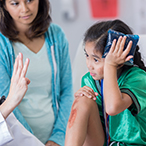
19 134
5 133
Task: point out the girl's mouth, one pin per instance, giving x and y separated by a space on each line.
25 17
92 74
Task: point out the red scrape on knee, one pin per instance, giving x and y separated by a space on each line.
72 117
75 101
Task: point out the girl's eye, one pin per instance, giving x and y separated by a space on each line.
95 60
28 1
86 55
14 3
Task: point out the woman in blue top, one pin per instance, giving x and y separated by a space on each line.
122 86
25 27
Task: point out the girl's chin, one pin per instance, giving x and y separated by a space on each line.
96 78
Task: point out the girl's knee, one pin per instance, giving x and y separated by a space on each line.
84 104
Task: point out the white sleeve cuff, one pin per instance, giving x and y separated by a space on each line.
5 133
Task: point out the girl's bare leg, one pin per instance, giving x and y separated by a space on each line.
84 127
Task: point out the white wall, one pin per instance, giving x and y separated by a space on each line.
132 12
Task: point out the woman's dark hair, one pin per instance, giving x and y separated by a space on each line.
38 27
98 34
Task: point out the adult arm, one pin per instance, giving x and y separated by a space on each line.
18 87
6 69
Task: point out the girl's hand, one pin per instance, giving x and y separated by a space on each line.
116 56
19 83
51 143
86 91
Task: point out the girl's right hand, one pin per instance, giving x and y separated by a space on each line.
117 56
86 91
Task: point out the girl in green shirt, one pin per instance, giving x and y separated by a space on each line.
123 89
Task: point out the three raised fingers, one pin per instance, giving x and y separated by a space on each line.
19 69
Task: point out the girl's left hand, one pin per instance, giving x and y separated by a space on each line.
117 56
86 91
51 143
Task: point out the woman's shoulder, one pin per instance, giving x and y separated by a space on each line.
3 38
55 28
56 35
4 41
5 46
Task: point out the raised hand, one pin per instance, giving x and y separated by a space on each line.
18 87
19 83
117 55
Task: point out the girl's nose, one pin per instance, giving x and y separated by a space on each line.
89 65
24 7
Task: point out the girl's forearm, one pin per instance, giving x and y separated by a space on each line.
112 93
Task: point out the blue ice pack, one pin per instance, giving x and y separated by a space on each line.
115 35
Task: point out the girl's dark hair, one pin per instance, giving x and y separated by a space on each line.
38 27
98 34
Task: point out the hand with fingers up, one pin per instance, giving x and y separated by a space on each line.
18 87
117 56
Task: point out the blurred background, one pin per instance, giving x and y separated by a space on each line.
76 16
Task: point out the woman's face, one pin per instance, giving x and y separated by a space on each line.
94 61
23 12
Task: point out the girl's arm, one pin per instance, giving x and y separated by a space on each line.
115 101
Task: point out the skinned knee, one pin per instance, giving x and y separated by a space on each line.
82 108
84 104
